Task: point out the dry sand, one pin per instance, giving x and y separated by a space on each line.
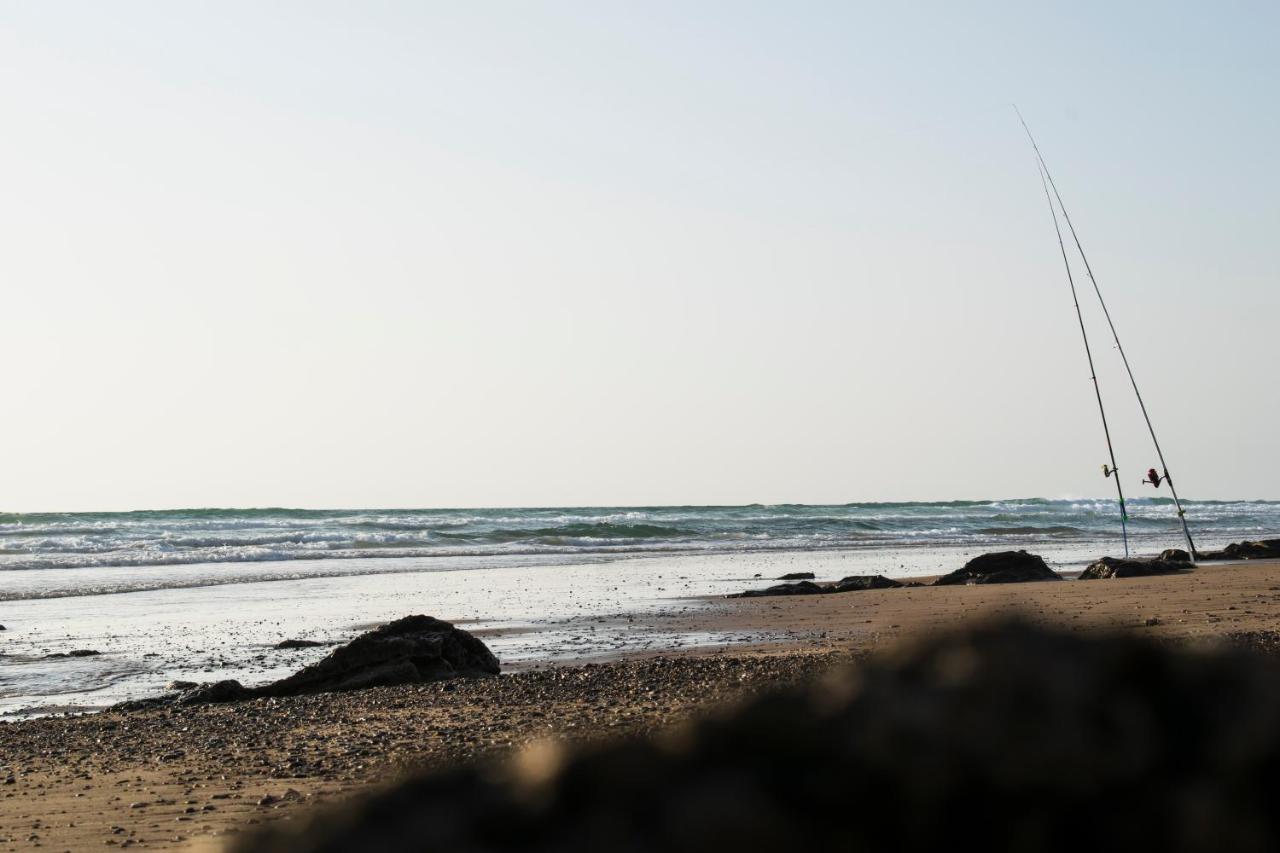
182 777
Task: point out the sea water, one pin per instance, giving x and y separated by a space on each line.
204 594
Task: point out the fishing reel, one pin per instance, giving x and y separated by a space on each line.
1107 471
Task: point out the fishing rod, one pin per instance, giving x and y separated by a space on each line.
1182 513
1093 374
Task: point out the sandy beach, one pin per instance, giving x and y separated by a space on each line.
178 777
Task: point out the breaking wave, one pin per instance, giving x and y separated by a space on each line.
35 541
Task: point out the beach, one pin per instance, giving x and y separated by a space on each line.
199 595
178 777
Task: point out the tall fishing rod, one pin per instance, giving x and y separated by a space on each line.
1177 503
1093 374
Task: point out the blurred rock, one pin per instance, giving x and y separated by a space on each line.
1009 737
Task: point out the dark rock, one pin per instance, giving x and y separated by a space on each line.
797 576
1001 567
1175 554
801 588
1115 567
1007 737
216 693
3 628
76 653
1260 550
297 644
408 650
853 583
858 583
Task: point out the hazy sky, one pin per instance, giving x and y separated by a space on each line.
453 254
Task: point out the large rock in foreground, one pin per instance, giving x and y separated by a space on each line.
407 651
1001 567
1114 567
1005 738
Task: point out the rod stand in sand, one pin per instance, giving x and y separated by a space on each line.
1154 479
1124 513
1182 517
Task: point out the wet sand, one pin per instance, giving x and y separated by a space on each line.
186 777
1212 601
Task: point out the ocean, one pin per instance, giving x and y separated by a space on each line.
204 594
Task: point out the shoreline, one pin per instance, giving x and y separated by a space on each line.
180 775
550 615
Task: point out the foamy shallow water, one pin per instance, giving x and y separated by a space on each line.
204 623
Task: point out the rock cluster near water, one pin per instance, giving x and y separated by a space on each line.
853 583
797 576
1008 737
407 651
1115 567
1001 567
858 583
1263 549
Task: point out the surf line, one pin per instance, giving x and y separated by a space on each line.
1154 478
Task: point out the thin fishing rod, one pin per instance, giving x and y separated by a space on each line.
1182 513
1093 374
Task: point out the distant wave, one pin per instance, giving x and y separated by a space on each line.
32 541
1056 530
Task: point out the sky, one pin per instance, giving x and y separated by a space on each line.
417 254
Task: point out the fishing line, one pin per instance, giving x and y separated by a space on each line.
1046 174
1093 374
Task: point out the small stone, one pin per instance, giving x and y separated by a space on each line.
297 644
